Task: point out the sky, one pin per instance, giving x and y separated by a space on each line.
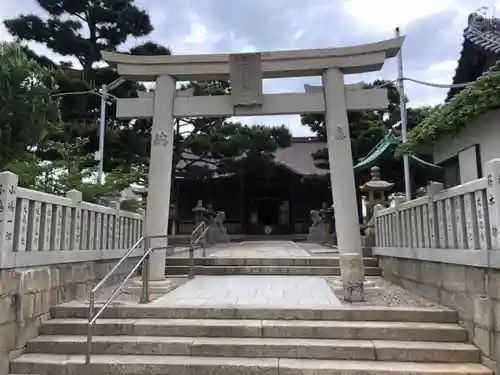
433 30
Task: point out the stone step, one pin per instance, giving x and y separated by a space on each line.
355 313
405 331
268 262
264 270
61 364
328 250
179 239
381 350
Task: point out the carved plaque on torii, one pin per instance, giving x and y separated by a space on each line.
246 79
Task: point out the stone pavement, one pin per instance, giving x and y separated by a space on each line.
250 290
259 249
259 291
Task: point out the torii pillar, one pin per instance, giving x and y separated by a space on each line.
343 186
160 172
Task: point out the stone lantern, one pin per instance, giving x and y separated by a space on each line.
199 212
143 193
109 197
374 191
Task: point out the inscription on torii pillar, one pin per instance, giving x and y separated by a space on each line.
246 79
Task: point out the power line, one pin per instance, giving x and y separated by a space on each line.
93 92
74 93
431 84
439 85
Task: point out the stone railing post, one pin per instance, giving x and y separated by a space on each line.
398 200
34 220
115 205
375 226
8 200
142 232
492 172
432 189
75 230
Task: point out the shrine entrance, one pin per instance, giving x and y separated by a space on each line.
268 215
246 72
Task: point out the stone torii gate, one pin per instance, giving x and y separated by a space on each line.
246 72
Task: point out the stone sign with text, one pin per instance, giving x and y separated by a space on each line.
246 79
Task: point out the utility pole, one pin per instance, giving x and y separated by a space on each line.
404 120
102 130
104 94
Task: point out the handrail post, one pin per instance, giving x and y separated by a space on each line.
89 328
205 238
191 262
145 273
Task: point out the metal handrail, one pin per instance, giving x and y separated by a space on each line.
204 230
198 227
144 239
93 318
145 276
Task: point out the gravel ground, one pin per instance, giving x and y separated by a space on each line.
384 293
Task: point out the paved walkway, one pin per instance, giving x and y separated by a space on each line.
255 291
259 249
261 290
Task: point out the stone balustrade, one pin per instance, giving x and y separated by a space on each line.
456 225
54 249
40 229
445 246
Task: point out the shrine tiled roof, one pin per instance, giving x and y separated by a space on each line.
484 32
296 158
481 34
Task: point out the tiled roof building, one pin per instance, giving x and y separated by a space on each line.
480 50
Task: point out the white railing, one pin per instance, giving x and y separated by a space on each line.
458 225
39 229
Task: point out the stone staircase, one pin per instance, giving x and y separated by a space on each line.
306 266
161 340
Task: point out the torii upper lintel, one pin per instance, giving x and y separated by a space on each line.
275 64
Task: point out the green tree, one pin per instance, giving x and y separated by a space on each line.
82 28
206 146
367 129
220 145
27 110
65 173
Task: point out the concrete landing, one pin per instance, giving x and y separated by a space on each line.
258 291
259 249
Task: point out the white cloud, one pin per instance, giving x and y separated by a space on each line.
385 15
249 48
298 34
442 67
193 26
198 38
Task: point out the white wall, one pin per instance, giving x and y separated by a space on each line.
485 131
468 162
